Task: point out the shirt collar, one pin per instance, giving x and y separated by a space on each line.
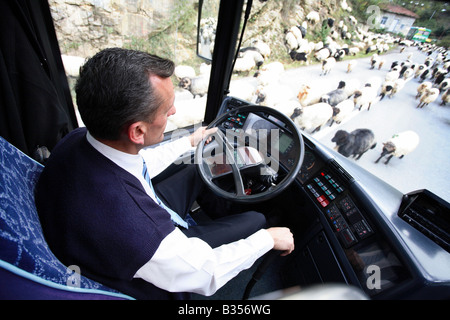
130 162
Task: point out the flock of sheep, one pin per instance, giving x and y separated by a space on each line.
310 107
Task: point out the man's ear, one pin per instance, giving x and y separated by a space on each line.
136 132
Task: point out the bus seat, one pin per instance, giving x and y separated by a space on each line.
28 268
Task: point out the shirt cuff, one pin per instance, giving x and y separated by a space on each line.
262 240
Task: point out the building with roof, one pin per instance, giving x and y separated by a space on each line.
396 19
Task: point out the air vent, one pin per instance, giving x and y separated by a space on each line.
429 214
344 174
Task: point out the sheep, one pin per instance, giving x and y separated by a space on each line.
189 112
298 56
445 97
445 84
297 33
262 47
354 51
313 17
367 96
182 71
422 87
408 74
242 89
198 86
399 84
428 97
350 86
399 145
334 97
386 89
290 41
439 78
312 117
252 52
420 68
72 65
287 107
355 143
327 65
426 74
272 94
351 65
269 73
392 75
342 110
373 60
244 64
322 54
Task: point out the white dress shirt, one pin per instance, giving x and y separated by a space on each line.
182 264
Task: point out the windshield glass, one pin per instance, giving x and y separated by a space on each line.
164 28
353 55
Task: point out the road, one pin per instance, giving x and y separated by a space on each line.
427 167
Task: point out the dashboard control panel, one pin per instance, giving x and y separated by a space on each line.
338 207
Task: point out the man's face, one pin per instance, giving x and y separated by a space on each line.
164 89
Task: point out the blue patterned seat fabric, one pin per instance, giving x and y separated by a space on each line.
22 243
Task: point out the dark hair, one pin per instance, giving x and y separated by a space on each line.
114 90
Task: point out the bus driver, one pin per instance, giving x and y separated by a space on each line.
100 212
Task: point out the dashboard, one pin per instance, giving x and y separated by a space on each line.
359 248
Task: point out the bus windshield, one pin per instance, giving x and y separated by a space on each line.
293 57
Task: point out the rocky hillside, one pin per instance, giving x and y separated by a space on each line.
86 26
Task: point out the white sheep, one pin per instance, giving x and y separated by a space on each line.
312 117
244 64
262 47
399 145
255 55
351 65
308 95
183 71
399 84
408 74
269 73
354 51
392 75
313 17
273 94
188 112
350 86
198 86
291 41
72 65
366 97
386 89
297 33
429 96
242 89
322 54
287 107
422 87
327 65
342 110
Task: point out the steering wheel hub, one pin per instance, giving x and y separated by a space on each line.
250 146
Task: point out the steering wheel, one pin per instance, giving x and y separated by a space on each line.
222 142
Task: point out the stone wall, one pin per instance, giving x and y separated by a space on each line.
85 26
